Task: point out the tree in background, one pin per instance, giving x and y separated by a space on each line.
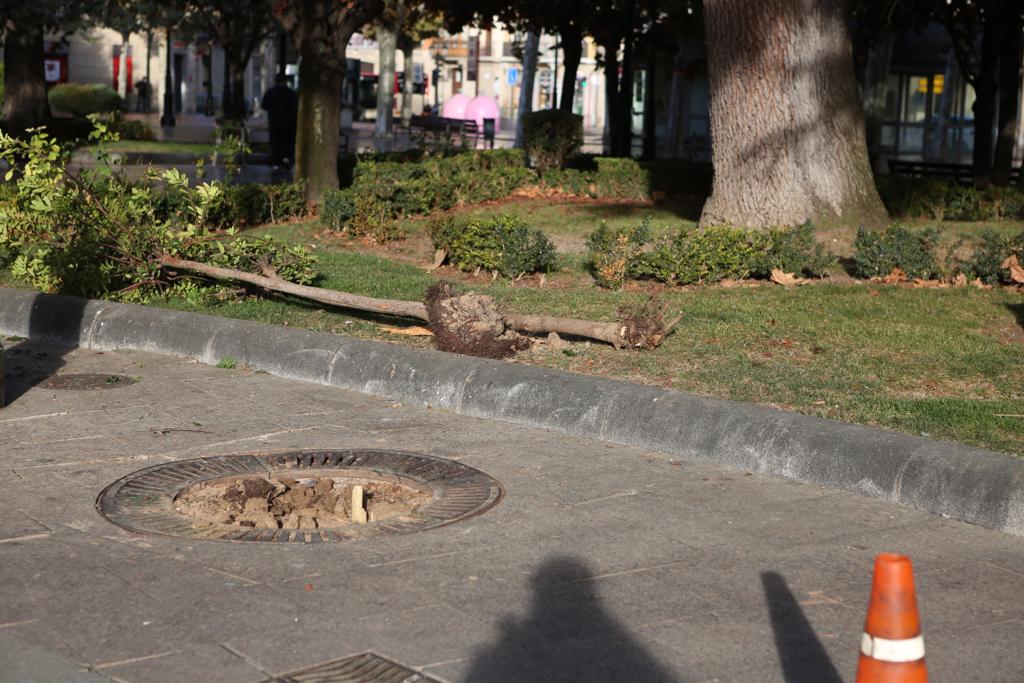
25 23
787 127
320 31
239 26
422 21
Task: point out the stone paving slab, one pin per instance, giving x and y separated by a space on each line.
603 562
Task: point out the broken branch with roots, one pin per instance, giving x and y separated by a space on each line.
464 323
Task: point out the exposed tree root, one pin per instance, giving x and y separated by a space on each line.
464 323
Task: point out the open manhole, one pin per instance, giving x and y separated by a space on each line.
299 496
87 381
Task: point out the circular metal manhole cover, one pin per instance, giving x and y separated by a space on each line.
144 501
87 381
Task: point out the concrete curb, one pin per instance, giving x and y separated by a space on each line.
956 481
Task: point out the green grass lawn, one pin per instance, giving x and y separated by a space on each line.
154 147
948 363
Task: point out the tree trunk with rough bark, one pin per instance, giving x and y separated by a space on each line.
572 53
320 31
1009 96
25 103
316 150
387 41
787 127
530 50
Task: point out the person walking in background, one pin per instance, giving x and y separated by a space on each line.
282 107
142 93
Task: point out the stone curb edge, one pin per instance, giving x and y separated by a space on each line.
948 479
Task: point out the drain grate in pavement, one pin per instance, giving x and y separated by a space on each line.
87 381
365 668
144 501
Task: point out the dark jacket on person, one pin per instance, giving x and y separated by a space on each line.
282 107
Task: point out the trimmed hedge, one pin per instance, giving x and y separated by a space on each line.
941 199
550 137
881 251
707 255
80 100
502 243
241 205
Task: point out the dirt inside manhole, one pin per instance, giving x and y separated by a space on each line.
298 503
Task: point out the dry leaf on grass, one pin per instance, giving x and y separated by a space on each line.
415 331
931 284
787 279
439 257
976 282
1016 271
896 275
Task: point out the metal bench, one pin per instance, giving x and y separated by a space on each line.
961 173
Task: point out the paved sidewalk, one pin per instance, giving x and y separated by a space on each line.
602 563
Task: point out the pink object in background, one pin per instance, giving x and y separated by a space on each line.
483 107
455 108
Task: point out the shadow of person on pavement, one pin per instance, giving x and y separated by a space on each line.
802 655
54 330
567 636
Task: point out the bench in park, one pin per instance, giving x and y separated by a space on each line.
439 127
961 173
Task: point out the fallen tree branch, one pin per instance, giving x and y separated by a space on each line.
634 331
406 309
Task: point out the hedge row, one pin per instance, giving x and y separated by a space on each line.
939 199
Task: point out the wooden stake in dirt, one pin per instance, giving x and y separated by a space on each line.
358 511
642 329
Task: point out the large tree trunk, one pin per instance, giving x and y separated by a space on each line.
316 150
985 86
25 103
572 53
407 87
530 50
611 93
787 127
622 134
1009 95
387 40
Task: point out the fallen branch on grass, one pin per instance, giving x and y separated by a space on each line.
464 323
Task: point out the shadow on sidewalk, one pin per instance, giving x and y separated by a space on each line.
567 636
54 320
802 655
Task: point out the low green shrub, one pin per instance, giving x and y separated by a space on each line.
614 254
337 208
550 137
248 204
441 182
693 255
105 236
988 256
941 199
80 100
878 252
502 243
601 177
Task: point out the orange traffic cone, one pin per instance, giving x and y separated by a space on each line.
892 649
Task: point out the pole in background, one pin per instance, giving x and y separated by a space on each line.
167 119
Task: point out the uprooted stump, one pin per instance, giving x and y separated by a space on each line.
646 325
470 324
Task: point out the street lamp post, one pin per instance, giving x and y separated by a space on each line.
167 119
